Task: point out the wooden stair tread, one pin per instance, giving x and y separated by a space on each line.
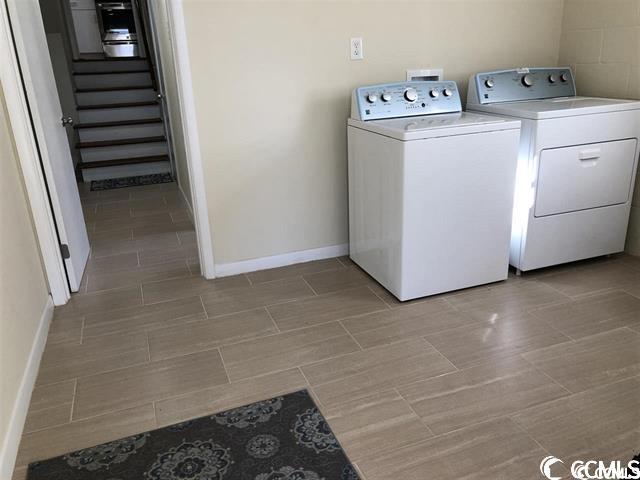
123 141
112 72
118 123
117 105
113 89
124 161
110 59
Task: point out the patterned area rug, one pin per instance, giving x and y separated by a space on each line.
283 438
111 183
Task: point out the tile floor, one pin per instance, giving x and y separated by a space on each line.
477 384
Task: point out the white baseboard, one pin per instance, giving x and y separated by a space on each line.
11 441
263 263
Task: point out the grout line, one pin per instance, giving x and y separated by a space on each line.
82 330
395 389
379 297
142 294
224 365
272 320
73 399
351 335
309 285
441 354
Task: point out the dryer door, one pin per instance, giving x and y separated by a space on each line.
585 176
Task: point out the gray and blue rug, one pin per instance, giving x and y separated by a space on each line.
112 183
283 438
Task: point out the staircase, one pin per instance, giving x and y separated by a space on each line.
120 129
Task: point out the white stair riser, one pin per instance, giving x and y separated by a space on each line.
110 66
116 96
118 114
120 132
123 151
112 80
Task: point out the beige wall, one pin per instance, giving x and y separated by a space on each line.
171 93
601 41
272 83
23 290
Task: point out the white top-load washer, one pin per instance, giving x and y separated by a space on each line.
430 189
577 163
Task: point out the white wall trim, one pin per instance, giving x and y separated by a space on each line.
178 33
11 441
263 263
35 184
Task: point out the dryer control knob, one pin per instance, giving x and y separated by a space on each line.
447 92
410 95
553 78
564 77
527 80
372 98
386 97
434 93
489 83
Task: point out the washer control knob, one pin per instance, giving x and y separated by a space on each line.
386 97
410 95
527 80
564 77
372 98
489 83
434 93
553 78
447 92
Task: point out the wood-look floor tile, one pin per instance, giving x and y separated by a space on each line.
286 350
492 340
186 287
144 317
162 228
50 406
593 314
187 237
103 238
65 328
163 255
100 354
493 450
506 298
478 394
209 333
128 387
135 276
602 423
114 263
591 361
110 248
294 270
337 279
253 296
20 473
360 374
374 425
403 323
73 436
604 275
133 222
325 308
101 301
227 396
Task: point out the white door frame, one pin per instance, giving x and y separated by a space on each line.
178 35
32 169
29 158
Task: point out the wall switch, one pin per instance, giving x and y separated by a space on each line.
356 49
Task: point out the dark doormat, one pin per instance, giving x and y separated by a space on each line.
283 438
111 183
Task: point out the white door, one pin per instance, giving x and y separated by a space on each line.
44 104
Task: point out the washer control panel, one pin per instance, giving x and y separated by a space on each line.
406 99
524 84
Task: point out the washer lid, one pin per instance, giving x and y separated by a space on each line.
432 126
558 107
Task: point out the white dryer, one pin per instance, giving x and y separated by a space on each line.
430 189
577 164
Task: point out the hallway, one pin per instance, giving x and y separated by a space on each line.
492 374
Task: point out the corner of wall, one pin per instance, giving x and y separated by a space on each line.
11 441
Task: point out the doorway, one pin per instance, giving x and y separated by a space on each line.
122 208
